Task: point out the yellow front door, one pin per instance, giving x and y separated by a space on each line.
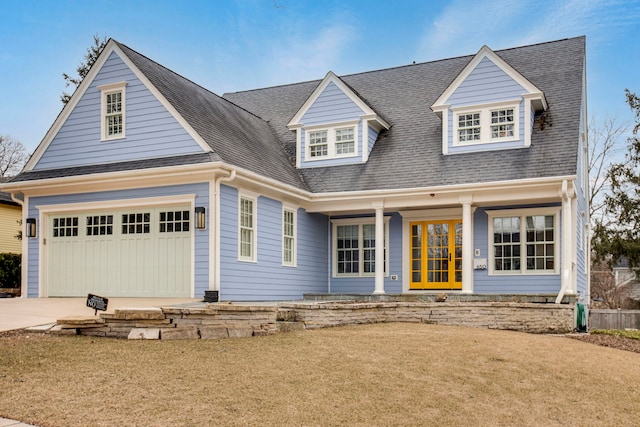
436 254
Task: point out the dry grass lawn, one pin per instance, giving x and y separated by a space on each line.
382 375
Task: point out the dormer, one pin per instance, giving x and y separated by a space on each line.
334 126
489 106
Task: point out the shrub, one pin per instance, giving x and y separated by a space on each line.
10 270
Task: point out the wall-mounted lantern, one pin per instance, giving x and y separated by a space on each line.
201 219
31 227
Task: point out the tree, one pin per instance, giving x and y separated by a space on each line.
83 69
622 203
13 156
604 147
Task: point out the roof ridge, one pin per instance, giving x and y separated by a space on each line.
185 78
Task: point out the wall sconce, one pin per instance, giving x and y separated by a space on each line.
31 227
201 219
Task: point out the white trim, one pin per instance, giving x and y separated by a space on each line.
249 196
330 77
524 212
86 83
110 89
486 52
359 222
118 204
294 210
331 140
485 110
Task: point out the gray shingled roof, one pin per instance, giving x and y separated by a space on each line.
236 136
249 129
409 155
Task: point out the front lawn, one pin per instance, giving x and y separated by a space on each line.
385 374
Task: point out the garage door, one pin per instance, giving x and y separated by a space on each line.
140 252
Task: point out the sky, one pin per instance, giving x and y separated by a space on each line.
234 45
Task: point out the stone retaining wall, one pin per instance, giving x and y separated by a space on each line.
525 317
220 320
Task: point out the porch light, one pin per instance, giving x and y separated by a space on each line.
201 220
31 227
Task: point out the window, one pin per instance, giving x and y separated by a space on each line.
469 127
65 227
318 144
345 142
488 124
247 229
289 237
331 142
355 247
113 110
174 221
502 123
136 223
100 225
524 241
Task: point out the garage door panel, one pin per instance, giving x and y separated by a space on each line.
145 252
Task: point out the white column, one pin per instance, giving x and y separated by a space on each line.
467 247
567 246
379 273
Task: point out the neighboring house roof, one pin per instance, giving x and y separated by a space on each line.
249 129
5 198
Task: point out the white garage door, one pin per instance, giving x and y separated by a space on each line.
139 252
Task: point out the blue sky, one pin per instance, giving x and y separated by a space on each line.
236 45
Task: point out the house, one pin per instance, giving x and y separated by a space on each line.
464 175
10 216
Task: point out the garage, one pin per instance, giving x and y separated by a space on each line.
132 252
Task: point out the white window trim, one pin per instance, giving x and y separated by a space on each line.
254 244
359 222
554 210
104 91
294 255
331 140
485 122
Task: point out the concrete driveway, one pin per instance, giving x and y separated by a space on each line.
19 313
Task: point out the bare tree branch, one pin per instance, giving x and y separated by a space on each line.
13 156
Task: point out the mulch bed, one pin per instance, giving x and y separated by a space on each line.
621 343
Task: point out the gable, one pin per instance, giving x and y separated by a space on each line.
152 130
332 106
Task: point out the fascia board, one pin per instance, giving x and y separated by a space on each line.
332 78
67 109
486 52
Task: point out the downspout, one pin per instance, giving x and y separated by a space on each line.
216 249
566 275
329 248
24 260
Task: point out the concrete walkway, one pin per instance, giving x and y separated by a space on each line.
20 313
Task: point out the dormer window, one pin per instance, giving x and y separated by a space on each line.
112 111
331 142
485 124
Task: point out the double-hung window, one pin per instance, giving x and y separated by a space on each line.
112 110
247 229
524 241
289 237
331 142
485 124
354 244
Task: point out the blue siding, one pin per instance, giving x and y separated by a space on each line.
367 284
486 83
201 236
150 129
331 106
267 278
373 136
483 283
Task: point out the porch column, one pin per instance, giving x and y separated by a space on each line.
379 273
567 243
467 247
